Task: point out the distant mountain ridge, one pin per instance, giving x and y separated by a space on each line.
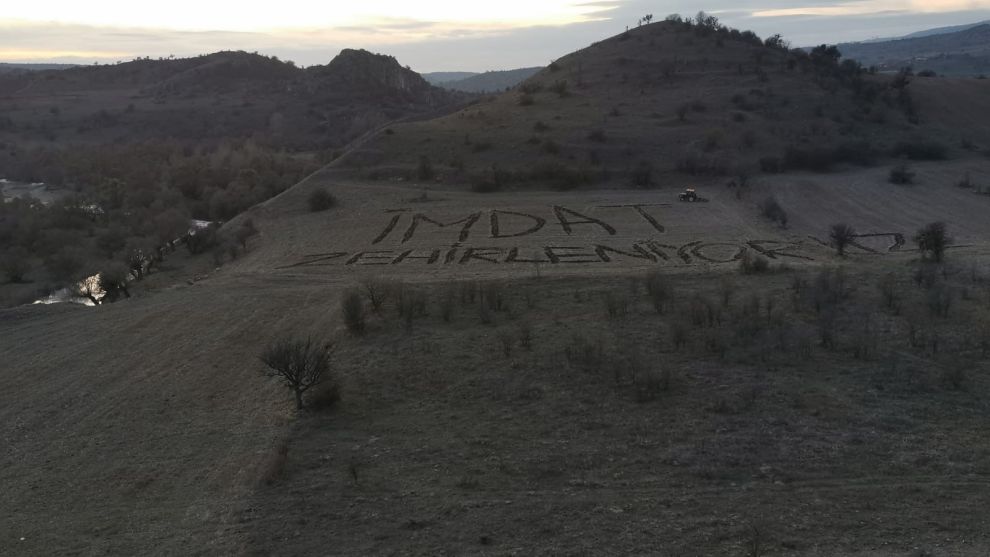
944 30
953 53
8 67
436 78
491 82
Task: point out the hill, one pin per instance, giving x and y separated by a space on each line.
964 52
490 82
943 30
436 78
603 370
10 68
671 98
167 141
221 95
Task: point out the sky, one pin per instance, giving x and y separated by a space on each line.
428 35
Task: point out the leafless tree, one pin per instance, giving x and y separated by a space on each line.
300 364
841 235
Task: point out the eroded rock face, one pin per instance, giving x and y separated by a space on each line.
376 76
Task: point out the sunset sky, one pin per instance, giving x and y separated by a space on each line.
429 35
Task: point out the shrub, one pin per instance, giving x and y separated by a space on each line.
321 200
753 264
649 383
816 159
966 182
888 292
901 175
561 88
597 135
274 465
300 364
376 291
15 264
771 165
770 209
352 309
559 176
481 146
841 236
424 170
505 339
531 88
659 290
616 306
921 150
932 240
855 152
696 162
526 100
642 175
585 354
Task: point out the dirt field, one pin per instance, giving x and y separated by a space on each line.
144 427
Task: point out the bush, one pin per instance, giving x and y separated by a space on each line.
526 100
561 88
352 309
841 236
642 175
771 165
770 209
932 240
966 182
901 175
324 396
855 152
559 176
659 290
376 290
531 88
816 159
753 264
650 383
321 200
696 162
921 150
424 170
274 465
597 136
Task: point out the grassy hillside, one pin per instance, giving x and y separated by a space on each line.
669 97
604 370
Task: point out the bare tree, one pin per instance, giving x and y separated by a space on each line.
841 235
376 290
932 240
300 364
352 308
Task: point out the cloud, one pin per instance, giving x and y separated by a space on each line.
447 43
867 7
